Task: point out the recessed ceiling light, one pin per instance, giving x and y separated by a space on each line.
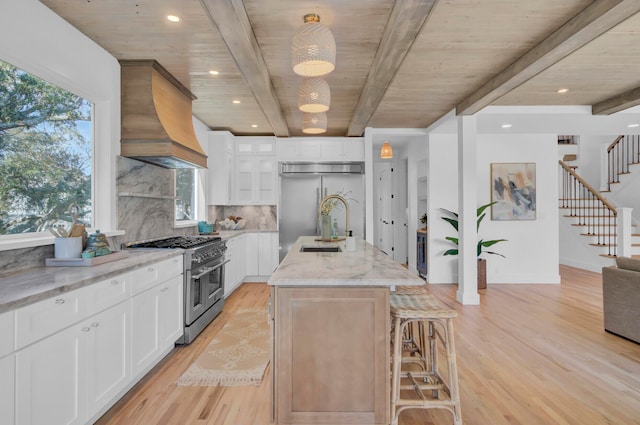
236 101
562 91
506 126
173 18
633 125
254 125
212 72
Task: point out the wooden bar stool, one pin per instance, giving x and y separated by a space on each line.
435 322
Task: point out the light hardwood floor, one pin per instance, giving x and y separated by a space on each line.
528 354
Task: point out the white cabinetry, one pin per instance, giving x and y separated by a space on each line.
321 149
7 385
48 384
220 167
74 351
255 175
261 253
235 270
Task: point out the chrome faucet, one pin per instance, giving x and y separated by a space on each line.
346 208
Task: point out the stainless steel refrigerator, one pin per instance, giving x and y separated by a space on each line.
302 187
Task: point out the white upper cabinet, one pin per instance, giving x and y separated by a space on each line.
220 163
255 175
321 149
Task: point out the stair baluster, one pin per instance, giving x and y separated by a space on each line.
589 208
621 153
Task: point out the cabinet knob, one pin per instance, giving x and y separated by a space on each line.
175 260
59 301
115 282
86 329
150 269
165 289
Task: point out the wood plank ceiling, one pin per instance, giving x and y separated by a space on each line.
400 64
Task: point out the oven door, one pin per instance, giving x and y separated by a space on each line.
205 286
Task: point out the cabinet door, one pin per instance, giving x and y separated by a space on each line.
170 305
252 254
7 382
243 181
48 380
7 341
107 351
265 174
145 346
265 259
220 167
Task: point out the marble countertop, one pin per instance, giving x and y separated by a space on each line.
366 266
228 234
22 288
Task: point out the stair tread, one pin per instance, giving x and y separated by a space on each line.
586 216
608 256
598 234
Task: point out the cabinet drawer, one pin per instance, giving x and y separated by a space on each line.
107 293
7 332
38 320
149 276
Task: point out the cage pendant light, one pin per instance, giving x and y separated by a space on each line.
313 50
314 123
314 95
386 152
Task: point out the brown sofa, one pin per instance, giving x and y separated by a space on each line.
621 298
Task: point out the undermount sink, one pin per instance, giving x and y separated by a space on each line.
320 249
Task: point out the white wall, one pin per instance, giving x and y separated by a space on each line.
40 42
442 163
531 249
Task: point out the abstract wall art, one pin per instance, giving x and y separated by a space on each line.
514 191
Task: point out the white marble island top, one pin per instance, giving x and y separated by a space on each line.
366 266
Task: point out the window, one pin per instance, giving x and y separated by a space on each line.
186 208
46 149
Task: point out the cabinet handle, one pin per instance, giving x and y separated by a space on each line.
164 289
60 301
150 269
115 282
175 260
86 329
95 324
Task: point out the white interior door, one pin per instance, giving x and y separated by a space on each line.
384 235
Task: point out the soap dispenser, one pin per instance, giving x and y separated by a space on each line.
351 242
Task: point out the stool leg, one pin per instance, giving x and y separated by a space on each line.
453 373
395 373
433 353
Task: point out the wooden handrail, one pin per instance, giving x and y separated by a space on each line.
589 188
614 143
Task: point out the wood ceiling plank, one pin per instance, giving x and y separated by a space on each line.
403 27
594 20
231 19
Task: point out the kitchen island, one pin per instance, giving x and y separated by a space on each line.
329 313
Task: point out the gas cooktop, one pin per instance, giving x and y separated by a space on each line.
176 242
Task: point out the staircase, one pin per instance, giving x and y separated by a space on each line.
589 216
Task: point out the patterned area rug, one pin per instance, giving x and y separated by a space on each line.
237 355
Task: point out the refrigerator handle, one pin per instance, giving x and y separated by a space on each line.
318 200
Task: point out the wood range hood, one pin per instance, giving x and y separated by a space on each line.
156 117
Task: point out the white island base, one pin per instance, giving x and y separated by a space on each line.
331 328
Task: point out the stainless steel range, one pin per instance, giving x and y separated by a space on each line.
204 260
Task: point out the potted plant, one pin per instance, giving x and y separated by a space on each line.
482 244
423 220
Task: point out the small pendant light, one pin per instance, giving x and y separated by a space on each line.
314 95
386 152
314 123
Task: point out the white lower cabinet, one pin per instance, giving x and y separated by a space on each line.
108 370
7 395
48 380
157 322
69 376
236 269
79 351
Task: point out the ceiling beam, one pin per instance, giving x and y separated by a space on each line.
231 20
405 23
596 19
617 103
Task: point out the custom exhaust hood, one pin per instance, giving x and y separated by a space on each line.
156 117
